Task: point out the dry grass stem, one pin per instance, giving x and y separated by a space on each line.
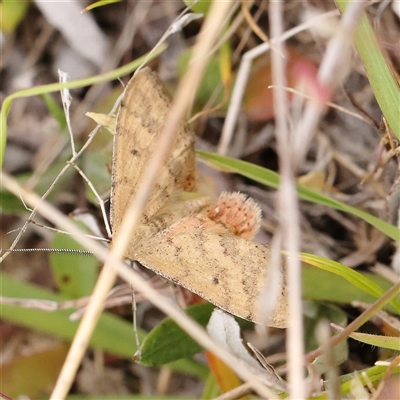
243 74
288 211
107 277
137 282
333 69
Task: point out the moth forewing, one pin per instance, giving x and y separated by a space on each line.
165 217
140 121
226 270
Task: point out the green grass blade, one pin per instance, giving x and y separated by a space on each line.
57 323
112 334
270 178
385 87
386 342
100 3
55 87
373 374
355 278
322 285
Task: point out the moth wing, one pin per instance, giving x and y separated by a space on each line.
140 121
167 216
228 271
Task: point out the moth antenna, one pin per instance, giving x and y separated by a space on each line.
57 251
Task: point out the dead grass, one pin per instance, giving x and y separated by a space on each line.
320 146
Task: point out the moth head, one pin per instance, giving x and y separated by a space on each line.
238 213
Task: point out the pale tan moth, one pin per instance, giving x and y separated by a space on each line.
204 247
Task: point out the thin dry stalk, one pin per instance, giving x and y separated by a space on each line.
333 70
99 199
388 373
359 321
236 393
335 106
107 277
288 211
252 23
49 190
243 74
323 336
136 281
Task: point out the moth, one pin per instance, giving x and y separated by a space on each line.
203 247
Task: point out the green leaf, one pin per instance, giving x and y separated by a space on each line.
12 13
314 314
211 389
201 6
74 274
10 204
386 342
100 3
55 110
210 81
112 334
355 278
383 82
167 342
319 284
96 164
373 374
55 87
270 178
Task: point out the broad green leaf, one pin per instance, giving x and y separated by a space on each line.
55 110
319 284
167 342
355 278
10 204
314 314
112 334
96 163
74 274
11 13
270 178
211 389
14 373
200 6
210 81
